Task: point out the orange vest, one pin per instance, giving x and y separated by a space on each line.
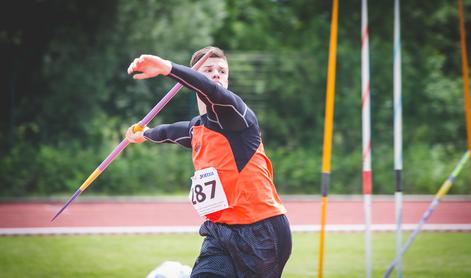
250 193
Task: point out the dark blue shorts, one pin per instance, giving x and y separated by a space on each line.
260 249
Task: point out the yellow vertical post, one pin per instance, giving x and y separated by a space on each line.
328 128
464 66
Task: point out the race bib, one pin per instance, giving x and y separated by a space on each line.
207 194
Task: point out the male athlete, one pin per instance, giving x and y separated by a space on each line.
246 233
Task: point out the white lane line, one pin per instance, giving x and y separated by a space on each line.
194 229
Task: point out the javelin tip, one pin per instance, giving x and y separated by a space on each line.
76 194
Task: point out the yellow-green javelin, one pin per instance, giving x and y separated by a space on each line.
328 125
440 194
449 182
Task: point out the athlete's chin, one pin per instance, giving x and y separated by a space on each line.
220 84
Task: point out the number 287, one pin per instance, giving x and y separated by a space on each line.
198 196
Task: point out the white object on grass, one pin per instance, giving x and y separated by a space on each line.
170 269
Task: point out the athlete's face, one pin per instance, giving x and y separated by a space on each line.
217 70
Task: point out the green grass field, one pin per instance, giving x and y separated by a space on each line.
431 255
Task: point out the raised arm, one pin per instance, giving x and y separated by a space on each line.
223 106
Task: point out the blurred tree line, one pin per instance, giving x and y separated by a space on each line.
67 100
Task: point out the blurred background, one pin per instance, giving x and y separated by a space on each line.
66 99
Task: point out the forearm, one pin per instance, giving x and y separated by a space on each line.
177 133
208 91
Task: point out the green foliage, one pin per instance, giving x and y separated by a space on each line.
294 170
50 170
149 169
69 98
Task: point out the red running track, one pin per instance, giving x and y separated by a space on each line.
180 213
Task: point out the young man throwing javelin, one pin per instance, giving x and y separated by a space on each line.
246 233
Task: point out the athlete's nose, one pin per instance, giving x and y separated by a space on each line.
215 75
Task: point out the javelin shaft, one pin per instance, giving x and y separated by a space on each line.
366 134
411 238
329 111
161 104
440 194
328 128
449 182
398 134
464 65
121 146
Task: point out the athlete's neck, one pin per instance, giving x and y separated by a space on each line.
201 106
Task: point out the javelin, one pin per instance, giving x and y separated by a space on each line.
118 149
440 194
398 133
464 66
328 128
366 133
449 182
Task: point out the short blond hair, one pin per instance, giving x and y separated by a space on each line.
216 53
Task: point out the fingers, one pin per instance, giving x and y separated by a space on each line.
129 134
131 67
139 63
140 76
149 66
135 137
134 65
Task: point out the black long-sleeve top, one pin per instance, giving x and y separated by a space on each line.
225 110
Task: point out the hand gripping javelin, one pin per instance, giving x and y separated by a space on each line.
140 127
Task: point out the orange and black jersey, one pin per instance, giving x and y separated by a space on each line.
228 139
